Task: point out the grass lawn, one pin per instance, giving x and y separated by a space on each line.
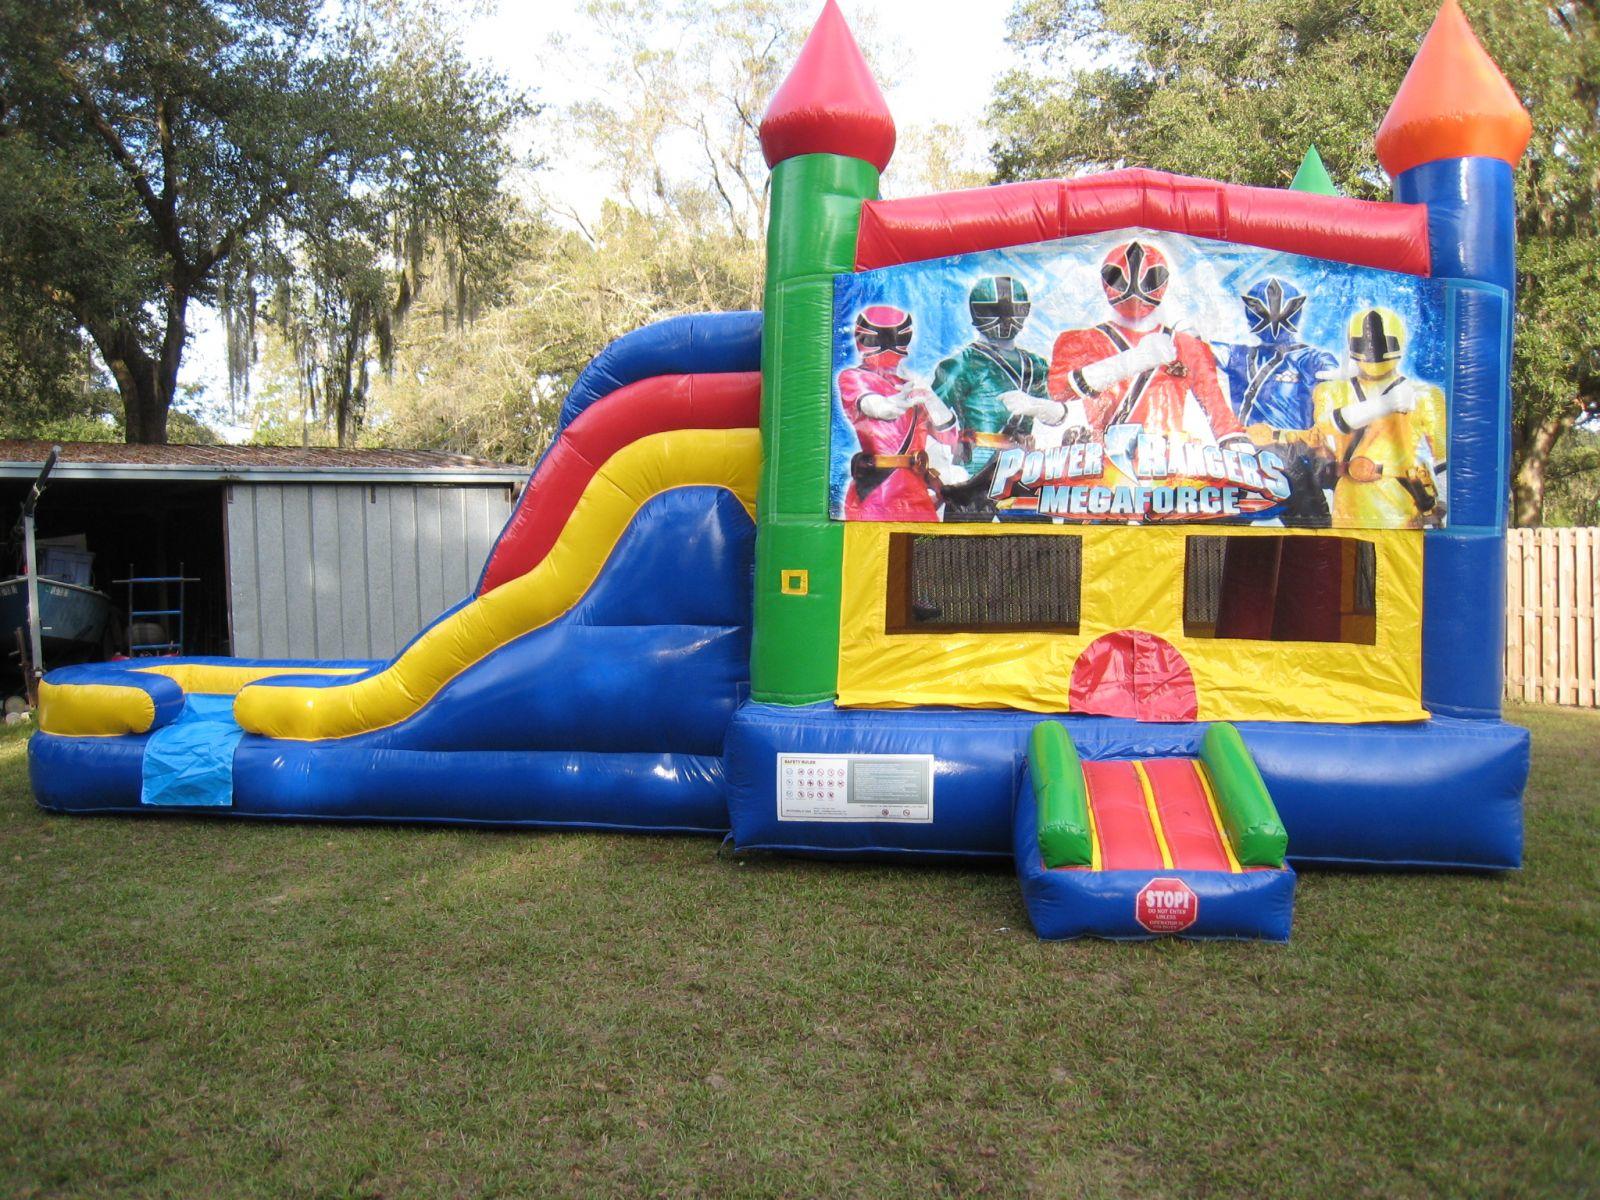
196 1007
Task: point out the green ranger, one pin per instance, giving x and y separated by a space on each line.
992 384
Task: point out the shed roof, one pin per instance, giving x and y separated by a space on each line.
20 458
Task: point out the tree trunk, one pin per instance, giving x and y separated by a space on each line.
145 416
144 408
171 355
342 416
146 382
1528 487
352 366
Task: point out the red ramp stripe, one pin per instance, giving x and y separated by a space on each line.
1127 842
656 405
1192 836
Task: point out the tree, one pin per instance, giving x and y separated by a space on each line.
48 386
344 290
1239 93
1573 495
679 93
679 89
495 387
152 150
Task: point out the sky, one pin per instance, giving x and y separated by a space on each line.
942 58
949 53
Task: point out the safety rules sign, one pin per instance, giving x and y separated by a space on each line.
856 787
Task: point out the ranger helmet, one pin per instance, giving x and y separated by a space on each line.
999 306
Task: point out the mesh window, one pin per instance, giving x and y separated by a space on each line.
1202 583
1366 581
1280 589
1003 583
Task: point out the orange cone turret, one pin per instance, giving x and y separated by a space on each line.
1454 103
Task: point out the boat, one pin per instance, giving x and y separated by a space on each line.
73 618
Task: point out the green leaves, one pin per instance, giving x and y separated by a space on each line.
152 150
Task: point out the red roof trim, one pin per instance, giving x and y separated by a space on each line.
1392 237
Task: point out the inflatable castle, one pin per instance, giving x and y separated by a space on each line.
1144 530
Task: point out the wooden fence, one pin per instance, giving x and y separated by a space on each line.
1552 598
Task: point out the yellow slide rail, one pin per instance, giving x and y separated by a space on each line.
630 478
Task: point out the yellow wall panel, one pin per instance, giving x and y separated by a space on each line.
1133 579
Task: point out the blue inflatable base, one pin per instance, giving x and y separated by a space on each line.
635 793
1072 903
1445 793
1442 793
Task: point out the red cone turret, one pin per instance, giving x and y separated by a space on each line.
829 103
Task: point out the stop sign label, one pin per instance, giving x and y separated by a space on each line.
1166 905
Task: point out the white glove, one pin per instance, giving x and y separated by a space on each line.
1401 398
1344 371
1020 404
887 408
939 413
1157 348
1154 350
942 464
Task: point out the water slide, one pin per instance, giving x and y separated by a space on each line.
587 681
601 673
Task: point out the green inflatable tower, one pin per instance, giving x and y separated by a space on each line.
826 135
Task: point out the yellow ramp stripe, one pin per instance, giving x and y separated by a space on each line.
225 679
1155 816
1216 816
1095 860
727 458
94 709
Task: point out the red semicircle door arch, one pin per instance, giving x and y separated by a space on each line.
1131 673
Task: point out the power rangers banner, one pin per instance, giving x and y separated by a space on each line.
1135 377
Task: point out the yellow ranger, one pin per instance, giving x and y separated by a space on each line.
1386 432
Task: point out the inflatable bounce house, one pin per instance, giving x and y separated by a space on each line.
1145 530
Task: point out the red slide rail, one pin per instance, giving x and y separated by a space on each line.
1154 815
660 404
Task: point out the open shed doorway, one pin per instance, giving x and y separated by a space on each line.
149 527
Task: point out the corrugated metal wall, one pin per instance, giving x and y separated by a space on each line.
351 570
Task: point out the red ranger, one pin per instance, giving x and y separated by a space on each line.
1133 369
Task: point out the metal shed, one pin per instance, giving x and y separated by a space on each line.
299 552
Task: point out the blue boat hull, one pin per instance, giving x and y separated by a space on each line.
70 615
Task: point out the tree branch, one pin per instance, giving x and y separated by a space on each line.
165 112
716 178
229 241
120 153
254 219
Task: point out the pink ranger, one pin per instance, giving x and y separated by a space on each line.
892 416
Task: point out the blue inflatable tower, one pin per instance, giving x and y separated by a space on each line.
1450 140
